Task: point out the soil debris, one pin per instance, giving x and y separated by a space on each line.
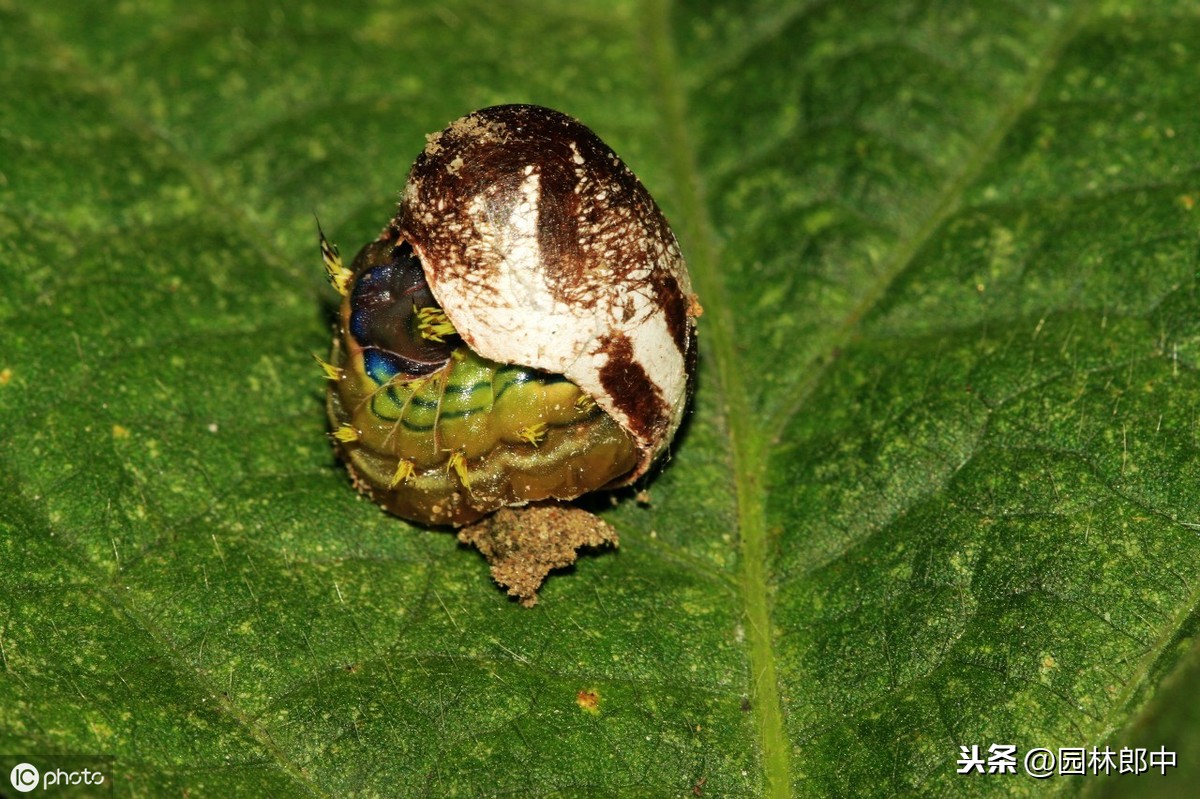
523 545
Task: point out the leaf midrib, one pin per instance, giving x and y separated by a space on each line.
750 443
746 448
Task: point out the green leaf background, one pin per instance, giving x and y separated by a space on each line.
940 486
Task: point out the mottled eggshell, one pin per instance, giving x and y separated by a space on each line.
544 250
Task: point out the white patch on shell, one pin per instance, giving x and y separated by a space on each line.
502 299
510 308
508 311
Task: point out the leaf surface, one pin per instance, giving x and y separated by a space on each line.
939 487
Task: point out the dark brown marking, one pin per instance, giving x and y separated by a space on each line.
674 306
580 234
631 389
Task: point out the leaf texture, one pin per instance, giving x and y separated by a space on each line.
939 487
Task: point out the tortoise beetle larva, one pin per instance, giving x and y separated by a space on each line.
521 330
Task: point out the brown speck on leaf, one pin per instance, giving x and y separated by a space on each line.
745 704
589 700
523 545
698 788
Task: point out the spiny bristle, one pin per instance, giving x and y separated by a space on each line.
339 275
404 470
534 433
458 463
433 324
331 372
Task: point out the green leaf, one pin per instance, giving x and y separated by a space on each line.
941 486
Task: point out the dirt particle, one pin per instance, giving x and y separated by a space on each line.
477 128
523 545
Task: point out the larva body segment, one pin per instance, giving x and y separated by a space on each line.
521 330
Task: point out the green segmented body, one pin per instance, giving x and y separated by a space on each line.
436 433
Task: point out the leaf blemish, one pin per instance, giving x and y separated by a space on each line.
588 700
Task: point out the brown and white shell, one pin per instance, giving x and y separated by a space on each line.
544 250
